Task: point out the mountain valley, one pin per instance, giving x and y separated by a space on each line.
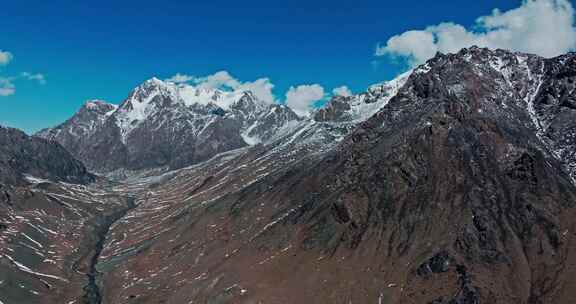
454 183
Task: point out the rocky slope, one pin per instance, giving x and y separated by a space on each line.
458 190
22 155
49 236
454 183
48 221
52 234
162 124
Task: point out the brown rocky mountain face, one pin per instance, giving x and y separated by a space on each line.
459 189
453 193
47 227
49 235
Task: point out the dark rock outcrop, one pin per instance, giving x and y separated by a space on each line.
22 155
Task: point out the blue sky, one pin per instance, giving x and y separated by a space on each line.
103 49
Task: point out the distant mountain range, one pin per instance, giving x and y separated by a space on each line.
455 183
163 124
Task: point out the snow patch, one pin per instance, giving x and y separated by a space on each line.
24 268
35 180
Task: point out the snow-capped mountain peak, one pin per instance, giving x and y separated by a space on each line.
163 123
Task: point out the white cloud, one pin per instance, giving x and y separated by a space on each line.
342 91
261 88
418 46
301 98
180 78
7 88
543 27
38 77
217 80
5 57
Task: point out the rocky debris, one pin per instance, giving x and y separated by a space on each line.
439 263
467 294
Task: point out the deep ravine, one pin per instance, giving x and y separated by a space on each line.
92 291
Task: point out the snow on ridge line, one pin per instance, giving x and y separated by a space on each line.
397 82
189 95
96 103
141 103
138 107
154 95
360 110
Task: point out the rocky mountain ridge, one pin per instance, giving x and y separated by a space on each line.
163 124
168 125
452 184
23 156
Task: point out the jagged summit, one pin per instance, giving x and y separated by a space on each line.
189 95
164 124
165 119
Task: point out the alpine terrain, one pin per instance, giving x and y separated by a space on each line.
454 183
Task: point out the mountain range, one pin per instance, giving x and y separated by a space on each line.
454 183
163 124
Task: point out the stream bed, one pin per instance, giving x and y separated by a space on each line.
92 291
